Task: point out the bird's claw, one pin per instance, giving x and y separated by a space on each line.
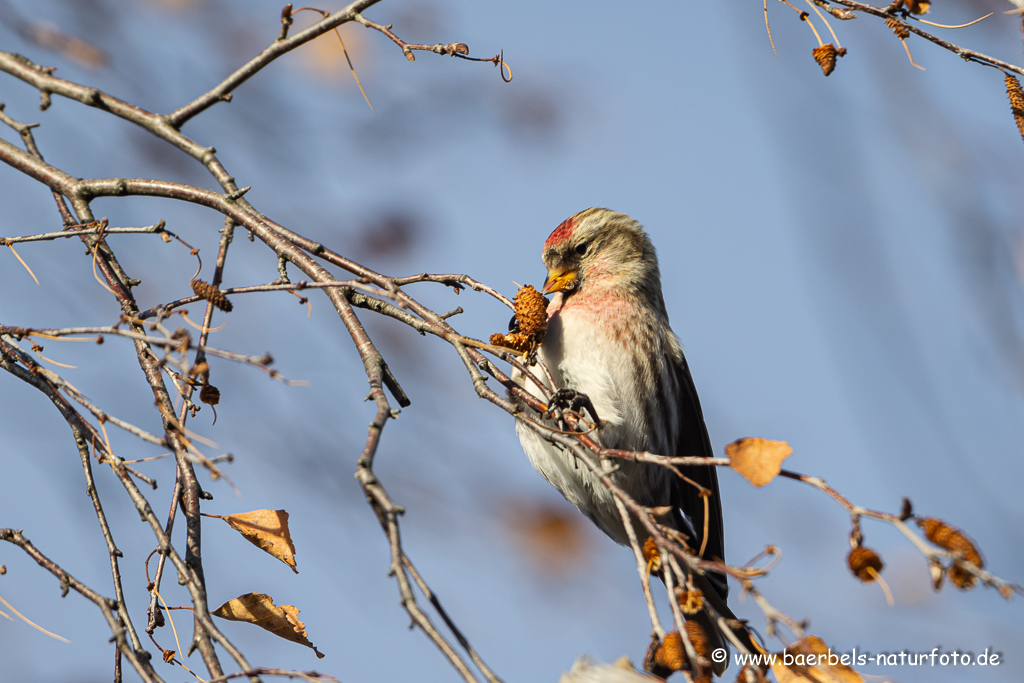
570 399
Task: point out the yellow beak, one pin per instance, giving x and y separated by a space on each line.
560 281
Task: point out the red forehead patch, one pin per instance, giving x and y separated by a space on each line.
561 233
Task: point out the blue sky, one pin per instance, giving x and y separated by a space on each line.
840 257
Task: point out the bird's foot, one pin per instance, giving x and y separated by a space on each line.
572 400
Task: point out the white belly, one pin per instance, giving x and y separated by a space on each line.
598 366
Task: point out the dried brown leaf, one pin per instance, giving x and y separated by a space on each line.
268 530
825 56
551 538
50 37
757 460
259 609
917 6
813 662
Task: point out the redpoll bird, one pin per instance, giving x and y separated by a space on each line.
609 339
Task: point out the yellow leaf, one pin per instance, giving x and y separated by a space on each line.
757 459
267 529
259 609
809 660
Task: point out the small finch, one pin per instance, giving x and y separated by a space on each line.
609 339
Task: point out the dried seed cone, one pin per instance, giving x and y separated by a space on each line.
691 602
1016 95
961 578
955 541
531 312
698 638
864 563
670 654
205 290
517 341
825 56
899 29
748 674
521 342
531 322
652 555
210 395
950 538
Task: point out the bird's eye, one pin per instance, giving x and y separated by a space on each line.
581 248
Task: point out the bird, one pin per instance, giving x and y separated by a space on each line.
609 340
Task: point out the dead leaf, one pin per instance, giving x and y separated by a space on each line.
757 460
809 660
825 56
917 6
552 537
259 609
267 529
50 37
325 59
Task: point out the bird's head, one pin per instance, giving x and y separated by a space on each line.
601 250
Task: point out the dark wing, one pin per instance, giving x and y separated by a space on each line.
694 441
